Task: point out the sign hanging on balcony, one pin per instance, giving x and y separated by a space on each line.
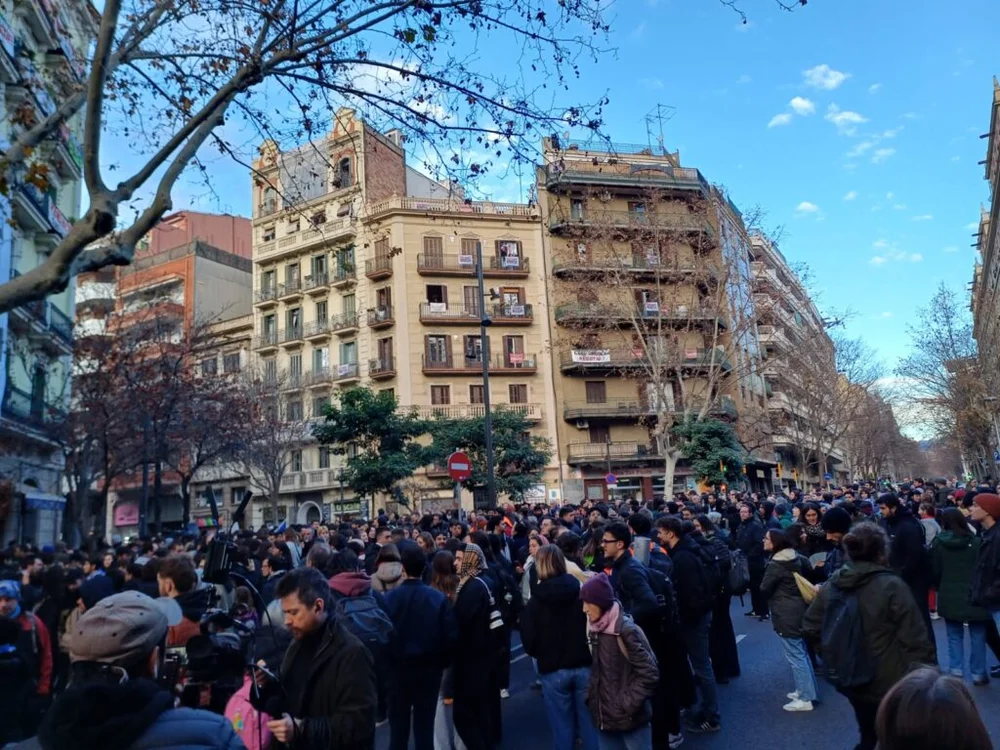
437 307
465 260
515 311
345 369
509 253
516 358
651 307
690 354
591 356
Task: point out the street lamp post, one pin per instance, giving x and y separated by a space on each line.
484 321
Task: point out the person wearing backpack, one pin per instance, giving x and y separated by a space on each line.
787 609
697 581
722 637
749 537
869 629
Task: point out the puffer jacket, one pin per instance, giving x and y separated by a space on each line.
895 634
623 677
785 603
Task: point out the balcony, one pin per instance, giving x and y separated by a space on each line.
35 16
382 368
292 381
343 277
514 315
440 313
31 208
685 226
8 64
316 283
266 340
290 290
344 324
531 412
601 454
636 265
30 410
605 316
267 207
379 268
613 409
774 336
585 361
65 153
317 330
503 364
381 317
308 480
465 265
266 296
445 205
318 377
291 336
626 177
297 242
347 373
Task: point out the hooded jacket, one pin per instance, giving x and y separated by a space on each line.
388 575
554 627
350 584
137 715
786 605
894 630
907 551
193 604
953 562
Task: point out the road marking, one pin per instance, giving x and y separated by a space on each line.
740 638
516 659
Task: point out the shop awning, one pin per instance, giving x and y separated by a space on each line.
38 500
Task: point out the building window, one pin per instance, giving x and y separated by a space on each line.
437 294
296 462
473 347
293 226
267 234
476 394
349 353
576 209
596 392
599 434
390 391
295 413
438 349
231 363
270 370
318 218
319 406
433 252
268 280
236 496
350 305
210 366
440 394
321 312
518 393
324 457
343 179
508 253
295 368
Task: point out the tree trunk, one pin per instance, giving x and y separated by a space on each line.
185 499
671 457
274 503
157 488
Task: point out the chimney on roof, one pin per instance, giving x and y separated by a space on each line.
395 136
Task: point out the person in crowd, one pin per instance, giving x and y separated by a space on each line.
529 578
624 673
328 675
113 700
895 637
18 699
722 636
787 608
927 710
178 580
553 632
272 568
954 556
388 569
420 647
907 552
628 576
32 654
816 541
928 519
383 536
984 591
836 523
749 537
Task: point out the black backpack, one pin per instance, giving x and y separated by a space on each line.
668 616
845 653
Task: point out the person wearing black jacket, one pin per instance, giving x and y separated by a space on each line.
907 552
695 600
628 576
554 631
722 636
750 541
421 646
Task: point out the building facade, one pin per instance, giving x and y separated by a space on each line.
985 293
42 53
364 274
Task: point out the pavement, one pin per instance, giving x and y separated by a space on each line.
750 705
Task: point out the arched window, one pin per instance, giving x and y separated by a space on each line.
344 173
269 201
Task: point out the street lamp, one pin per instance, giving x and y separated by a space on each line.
484 321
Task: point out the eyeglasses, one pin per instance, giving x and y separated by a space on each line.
608 541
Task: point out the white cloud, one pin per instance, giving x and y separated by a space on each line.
915 257
880 244
923 217
744 79
851 195
890 195
877 260
824 77
802 106
882 155
912 116
898 206
874 88
805 207
783 119
845 120
892 132
651 83
886 314
639 30
859 149
951 249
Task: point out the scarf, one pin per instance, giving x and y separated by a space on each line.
12 590
607 622
815 530
473 563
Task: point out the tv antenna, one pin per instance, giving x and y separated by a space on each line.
655 118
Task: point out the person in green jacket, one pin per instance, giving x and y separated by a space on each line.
954 556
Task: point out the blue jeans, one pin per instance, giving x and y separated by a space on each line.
565 695
637 739
696 640
956 648
802 671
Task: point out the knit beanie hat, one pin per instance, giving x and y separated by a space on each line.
836 521
990 503
598 591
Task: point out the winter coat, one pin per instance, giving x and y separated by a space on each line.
694 599
137 715
193 604
984 590
623 677
423 626
337 704
907 552
554 627
718 546
895 634
750 540
953 564
630 581
388 575
785 603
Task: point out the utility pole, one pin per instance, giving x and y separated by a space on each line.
484 321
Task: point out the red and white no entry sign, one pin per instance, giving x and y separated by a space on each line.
459 466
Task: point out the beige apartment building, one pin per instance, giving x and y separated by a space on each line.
985 292
650 312
364 274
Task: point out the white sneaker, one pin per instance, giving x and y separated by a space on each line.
674 740
797 705
793 696
505 693
935 616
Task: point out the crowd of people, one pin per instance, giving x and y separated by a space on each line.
623 607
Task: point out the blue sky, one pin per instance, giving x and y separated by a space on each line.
854 123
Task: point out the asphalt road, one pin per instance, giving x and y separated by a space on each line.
752 716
